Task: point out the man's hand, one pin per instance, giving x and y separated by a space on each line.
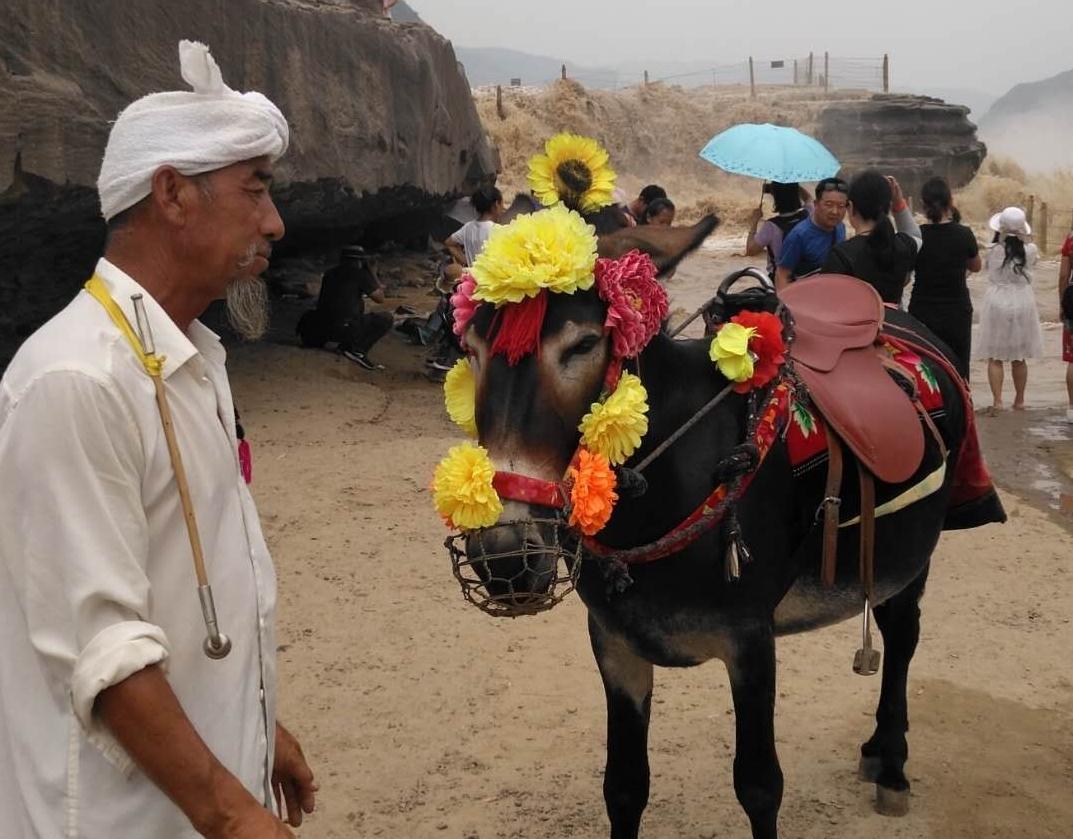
292 779
252 822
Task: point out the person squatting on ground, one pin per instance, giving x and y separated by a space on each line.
940 298
1009 320
878 254
806 246
340 315
793 204
1065 302
115 722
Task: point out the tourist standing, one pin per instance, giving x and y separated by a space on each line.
1009 320
882 254
949 252
806 247
792 205
468 241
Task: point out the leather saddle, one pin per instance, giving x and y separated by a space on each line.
837 322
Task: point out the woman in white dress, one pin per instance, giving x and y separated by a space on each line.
1009 320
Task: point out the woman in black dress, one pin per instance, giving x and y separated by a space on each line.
940 297
882 254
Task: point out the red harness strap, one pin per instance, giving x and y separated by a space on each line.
515 487
711 510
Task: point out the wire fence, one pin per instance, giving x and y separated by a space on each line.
1050 224
816 70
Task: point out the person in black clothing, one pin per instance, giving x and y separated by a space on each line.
940 297
878 254
340 315
660 211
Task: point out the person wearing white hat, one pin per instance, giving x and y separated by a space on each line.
118 717
1009 320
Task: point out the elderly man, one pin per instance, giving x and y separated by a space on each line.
115 722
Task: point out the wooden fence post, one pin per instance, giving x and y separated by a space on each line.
752 79
499 102
826 71
646 78
810 66
795 72
1030 209
886 72
1041 233
564 71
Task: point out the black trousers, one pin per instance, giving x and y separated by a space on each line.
359 334
952 324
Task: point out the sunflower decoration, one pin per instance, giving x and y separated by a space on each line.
573 170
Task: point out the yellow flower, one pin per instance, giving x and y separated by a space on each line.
553 249
730 351
462 489
460 396
573 170
614 428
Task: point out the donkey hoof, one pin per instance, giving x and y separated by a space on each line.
868 769
892 802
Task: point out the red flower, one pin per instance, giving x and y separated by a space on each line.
636 302
767 345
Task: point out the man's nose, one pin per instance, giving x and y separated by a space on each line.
272 227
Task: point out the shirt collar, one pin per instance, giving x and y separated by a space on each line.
176 347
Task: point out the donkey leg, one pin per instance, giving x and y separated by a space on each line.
628 686
883 756
757 775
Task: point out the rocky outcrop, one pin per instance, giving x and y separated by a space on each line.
383 127
1033 124
911 137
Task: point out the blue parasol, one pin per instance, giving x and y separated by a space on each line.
771 152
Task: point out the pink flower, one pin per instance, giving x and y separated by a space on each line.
463 305
636 302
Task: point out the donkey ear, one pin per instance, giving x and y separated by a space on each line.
666 245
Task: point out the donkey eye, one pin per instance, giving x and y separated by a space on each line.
583 347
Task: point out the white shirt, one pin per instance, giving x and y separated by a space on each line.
471 236
96 575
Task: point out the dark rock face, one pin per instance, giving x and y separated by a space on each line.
911 137
383 127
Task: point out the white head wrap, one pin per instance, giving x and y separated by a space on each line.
200 131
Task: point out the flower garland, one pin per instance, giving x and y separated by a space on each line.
554 252
749 349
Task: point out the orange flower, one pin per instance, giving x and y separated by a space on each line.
592 497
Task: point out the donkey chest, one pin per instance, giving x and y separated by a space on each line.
681 640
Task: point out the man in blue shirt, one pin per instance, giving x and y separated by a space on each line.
806 246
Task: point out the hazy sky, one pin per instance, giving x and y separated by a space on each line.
987 45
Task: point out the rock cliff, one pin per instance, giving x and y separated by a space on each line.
383 127
911 137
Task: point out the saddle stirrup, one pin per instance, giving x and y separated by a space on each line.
866 659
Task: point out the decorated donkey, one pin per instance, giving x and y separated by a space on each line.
680 484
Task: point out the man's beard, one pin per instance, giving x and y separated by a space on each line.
247 301
247 307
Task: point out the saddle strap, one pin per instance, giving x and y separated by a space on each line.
868 532
832 502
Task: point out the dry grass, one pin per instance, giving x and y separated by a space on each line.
1003 183
654 134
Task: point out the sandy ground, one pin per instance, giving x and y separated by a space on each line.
425 718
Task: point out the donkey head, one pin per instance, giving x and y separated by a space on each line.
527 415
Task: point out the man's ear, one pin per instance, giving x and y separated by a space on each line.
172 193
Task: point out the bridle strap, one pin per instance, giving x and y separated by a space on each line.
515 487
